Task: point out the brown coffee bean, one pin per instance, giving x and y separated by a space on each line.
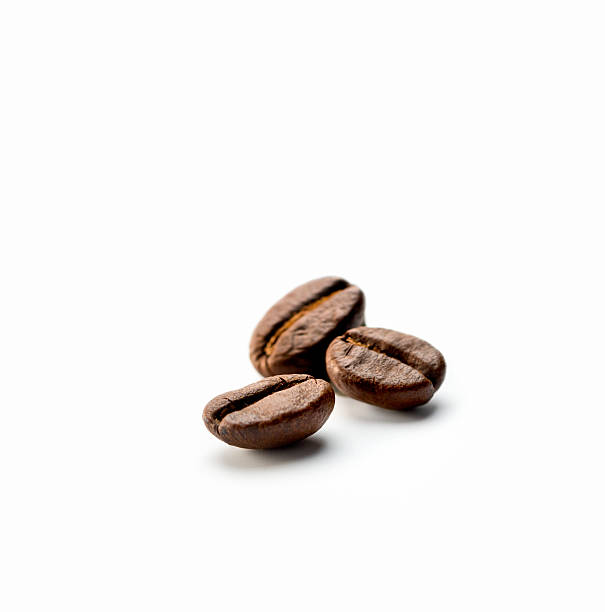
384 367
272 412
294 334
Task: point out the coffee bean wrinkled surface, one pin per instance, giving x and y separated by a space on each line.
385 367
272 412
294 334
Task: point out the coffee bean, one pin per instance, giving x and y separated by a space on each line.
272 412
384 367
294 334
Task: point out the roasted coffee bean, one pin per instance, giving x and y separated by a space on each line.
384 367
272 412
294 334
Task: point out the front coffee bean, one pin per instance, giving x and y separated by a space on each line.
272 412
294 334
385 367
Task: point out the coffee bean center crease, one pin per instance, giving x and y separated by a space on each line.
295 317
246 402
373 347
370 347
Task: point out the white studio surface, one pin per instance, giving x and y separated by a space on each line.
169 170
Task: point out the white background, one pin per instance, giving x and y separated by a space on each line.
169 170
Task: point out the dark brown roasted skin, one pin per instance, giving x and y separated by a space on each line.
272 412
385 367
294 334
